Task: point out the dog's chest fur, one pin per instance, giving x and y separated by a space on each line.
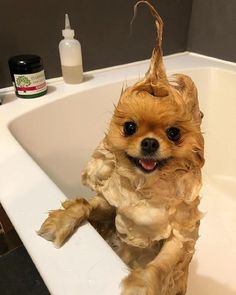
148 207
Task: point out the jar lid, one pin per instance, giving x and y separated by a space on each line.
22 62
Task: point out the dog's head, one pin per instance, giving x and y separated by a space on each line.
153 124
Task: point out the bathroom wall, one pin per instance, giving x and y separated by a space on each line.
102 26
213 28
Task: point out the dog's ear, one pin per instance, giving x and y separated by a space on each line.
188 91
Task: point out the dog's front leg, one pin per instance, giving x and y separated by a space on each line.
157 277
61 223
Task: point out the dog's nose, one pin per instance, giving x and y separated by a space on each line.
149 145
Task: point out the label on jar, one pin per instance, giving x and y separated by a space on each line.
29 84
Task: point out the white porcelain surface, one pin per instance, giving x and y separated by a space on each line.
45 143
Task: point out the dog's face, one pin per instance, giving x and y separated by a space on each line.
147 131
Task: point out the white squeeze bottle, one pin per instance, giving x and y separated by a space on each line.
70 55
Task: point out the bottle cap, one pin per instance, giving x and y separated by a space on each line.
25 64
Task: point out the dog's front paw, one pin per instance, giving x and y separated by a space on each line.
61 224
57 227
141 282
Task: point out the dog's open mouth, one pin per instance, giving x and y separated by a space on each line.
147 164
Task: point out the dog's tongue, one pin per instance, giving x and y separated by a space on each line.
147 164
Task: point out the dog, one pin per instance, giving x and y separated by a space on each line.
146 173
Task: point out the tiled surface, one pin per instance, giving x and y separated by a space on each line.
3 243
9 239
18 275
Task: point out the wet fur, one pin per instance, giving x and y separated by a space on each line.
150 219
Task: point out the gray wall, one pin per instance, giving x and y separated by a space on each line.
213 28
102 27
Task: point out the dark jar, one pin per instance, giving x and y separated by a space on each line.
27 75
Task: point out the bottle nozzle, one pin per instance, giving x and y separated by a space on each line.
67 22
67 33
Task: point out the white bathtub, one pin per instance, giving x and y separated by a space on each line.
45 143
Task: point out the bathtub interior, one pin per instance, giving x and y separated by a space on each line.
62 135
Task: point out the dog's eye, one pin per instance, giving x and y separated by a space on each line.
173 133
130 128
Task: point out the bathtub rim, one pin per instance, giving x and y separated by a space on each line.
12 154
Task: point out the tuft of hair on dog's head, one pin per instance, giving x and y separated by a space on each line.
157 120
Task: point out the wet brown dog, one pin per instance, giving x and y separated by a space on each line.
147 175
